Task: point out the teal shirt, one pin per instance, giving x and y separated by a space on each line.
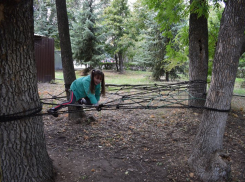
81 89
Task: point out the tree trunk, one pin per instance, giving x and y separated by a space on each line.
120 56
198 56
23 154
167 76
205 157
65 43
116 62
66 53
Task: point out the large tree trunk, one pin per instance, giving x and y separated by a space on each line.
198 57
23 154
66 53
205 157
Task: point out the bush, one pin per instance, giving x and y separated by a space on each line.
134 66
241 72
85 71
107 66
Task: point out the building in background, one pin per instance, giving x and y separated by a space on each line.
44 56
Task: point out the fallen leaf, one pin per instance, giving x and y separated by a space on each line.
191 175
131 127
152 116
235 115
85 137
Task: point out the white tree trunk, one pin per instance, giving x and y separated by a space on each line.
205 157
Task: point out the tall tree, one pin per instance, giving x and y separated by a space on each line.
86 35
23 154
115 19
206 157
154 47
65 45
198 50
45 19
173 25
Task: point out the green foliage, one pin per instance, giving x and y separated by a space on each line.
215 15
146 38
168 13
199 7
241 67
45 21
86 35
154 49
172 18
116 22
45 17
107 66
213 30
177 49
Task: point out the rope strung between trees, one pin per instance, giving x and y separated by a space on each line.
149 96
20 115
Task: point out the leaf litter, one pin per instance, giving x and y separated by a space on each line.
134 145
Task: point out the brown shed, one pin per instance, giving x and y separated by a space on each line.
44 56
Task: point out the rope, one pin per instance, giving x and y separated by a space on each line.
20 115
150 96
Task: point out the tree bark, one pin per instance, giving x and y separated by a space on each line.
208 144
167 76
23 154
65 42
198 57
116 62
66 53
120 57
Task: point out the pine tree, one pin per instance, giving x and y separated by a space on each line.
86 35
116 17
45 20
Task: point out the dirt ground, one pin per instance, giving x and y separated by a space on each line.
134 145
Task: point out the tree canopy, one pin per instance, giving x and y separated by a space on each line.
115 29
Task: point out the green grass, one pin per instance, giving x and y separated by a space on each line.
237 89
240 80
59 75
138 77
129 77
112 77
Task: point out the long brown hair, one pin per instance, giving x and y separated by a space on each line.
92 85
